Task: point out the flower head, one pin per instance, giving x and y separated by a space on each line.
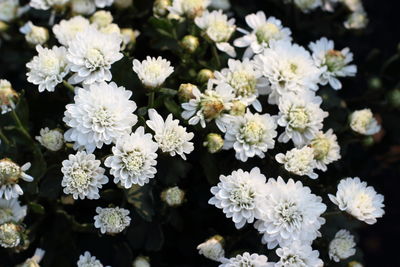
10 235
212 248
298 254
83 176
8 96
34 35
9 10
111 220
326 149
173 196
67 30
53 140
47 4
246 259
189 8
153 71
87 260
11 211
342 246
10 174
299 161
363 122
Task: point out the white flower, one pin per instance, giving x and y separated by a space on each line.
91 55
141 261
103 3
251 135
10 173
34 260
359 200
34 35
101 18
53 140
290 212
171 137
299 161
8 97
246 81
47 4
190 8
9 10
173 196
353 5
67 30
333 63
212 248
10 235
246 260
356 20
363 122
263 31
326 149
342 246
209 105
134 159
220 4
218 28
240 195
153 71
298 254
289 68
48 68
83 176
83 7
302 118
102 113
11 210
87 260
308 5
111 220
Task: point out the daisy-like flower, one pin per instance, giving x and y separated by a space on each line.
173 196
111 220
246 259
10 174
302 118
134 159
11 211
326 149
307 5
48 68
299 161
171 137
363 122
9 10
289 68
34 35
189 8
53 140
8 96
10 235
342 246
47 4
153 72
240 195
333 63
247 81
251 135
102 113
210 105
298 254
212 248
83 176
218 29
87 260
290 212
359 200
263 31
67 30
91 55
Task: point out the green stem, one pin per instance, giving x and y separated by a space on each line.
4 138
215 54
151 99
20 127
69 86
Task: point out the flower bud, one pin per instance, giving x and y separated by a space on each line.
214 142
212 107
8 10
173 196
160 7
121 4
53 140
3 26
83 7
204 75
10 235
35 35
238 108
212 248
375 83
394 98
354 264
185 92
111 29
129 37
141 261
8 97
101 18
190 43
356 20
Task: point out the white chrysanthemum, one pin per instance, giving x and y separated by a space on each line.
153 72
67 30
47 4
10 235
134 159
34 35
302 118
209 105
359 200
251 135
10 174
333 63
289 68
246 260
307 5
87 260
212 248
290 212
91 55
218 29
298 254
171 137
173 196
48 68
9 10
8 97
326 149
102 113
11 210
263 31
240 195
53 140
111 220
247 82
190 8
342 246
83 176
299 161
363 122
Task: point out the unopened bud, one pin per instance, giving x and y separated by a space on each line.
190 43
214 142
185 92
204 75
35 35
3 26
173 196
160 7
101 18
394 98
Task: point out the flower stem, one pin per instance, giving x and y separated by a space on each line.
20 127
69 86
215 54
4 138
151 99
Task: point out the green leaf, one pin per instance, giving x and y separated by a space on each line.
172 107
36 208
141 198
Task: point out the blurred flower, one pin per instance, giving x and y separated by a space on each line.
342 246
161 7
11 210
101 18
121 4
214 142
8 96
212 248
204 75
173 196
185 92
10 173
129 37
298 254
34 260
141 261
9 10
47 4
220 4
363 122
87 260
299 161
246 260
307 5
356 20
67 30
189 8
83 7
53 140
153 72
190 43
326 149
34 35
111 220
